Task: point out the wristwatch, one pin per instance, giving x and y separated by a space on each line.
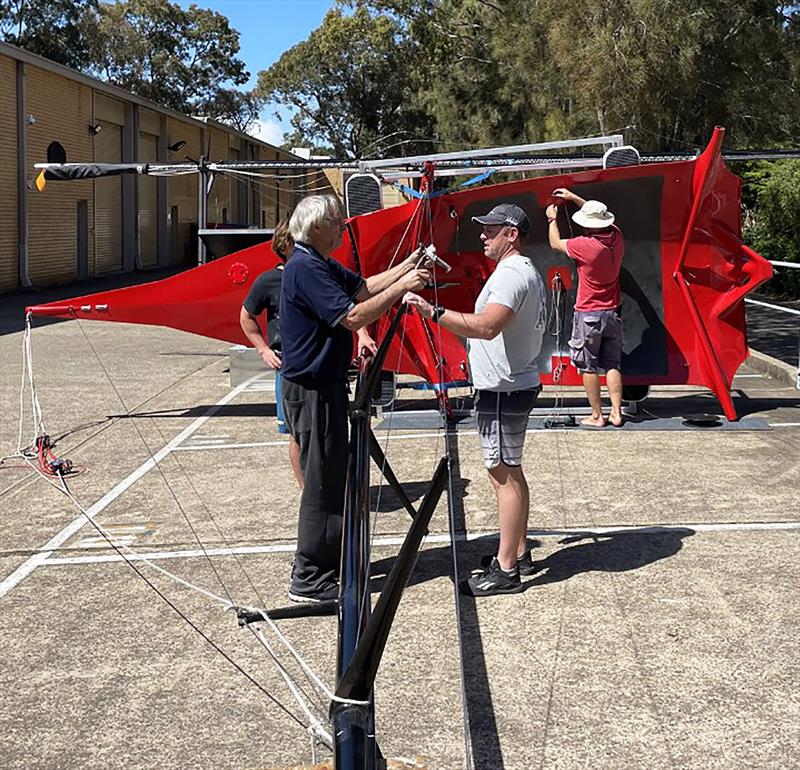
438 311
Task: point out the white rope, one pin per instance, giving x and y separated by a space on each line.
257 180
27 378
790 310
315 728
122 546
307 670
316 725
22 390
266 175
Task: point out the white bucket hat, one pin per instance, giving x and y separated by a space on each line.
593 214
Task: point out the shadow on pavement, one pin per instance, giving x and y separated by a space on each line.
620 551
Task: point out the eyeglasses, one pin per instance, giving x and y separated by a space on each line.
340 223
491 230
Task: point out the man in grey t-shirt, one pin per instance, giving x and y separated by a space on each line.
504 338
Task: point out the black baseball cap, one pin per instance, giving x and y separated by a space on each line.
506 214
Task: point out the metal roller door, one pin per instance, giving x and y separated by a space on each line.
108 202
148 206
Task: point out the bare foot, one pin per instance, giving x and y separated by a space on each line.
594 422
615 420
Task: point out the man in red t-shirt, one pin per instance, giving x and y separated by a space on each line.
596 341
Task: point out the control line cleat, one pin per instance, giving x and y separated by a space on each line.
430 253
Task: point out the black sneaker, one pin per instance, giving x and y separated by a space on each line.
525 563
331 593
494 580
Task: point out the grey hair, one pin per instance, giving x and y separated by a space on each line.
310 211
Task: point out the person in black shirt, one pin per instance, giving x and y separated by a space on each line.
322 304
264 295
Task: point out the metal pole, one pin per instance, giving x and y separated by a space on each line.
615 140
202 207
353 724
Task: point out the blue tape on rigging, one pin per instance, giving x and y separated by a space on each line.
410 191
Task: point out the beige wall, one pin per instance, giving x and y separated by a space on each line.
9 271
62 109
270 195
182 190
147 219
109 114
219 200
64 104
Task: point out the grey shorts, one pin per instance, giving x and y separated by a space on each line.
502 421
596 341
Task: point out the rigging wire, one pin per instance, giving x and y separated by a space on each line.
257 180
374 521
158 465
294 688
104 424
315 728
120 552
449 437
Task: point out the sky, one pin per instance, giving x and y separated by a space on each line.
266 29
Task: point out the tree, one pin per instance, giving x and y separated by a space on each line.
664 71
55 29
185 59
350 85
772 221
239 109
180 58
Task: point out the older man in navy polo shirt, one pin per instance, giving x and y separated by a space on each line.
322 304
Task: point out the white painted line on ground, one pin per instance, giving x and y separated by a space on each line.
192 447
783 424
290 546
199 447
747 376
21 572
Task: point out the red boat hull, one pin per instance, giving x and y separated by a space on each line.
685 274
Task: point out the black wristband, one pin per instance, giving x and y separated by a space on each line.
438 312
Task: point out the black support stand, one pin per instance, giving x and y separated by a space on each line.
362 633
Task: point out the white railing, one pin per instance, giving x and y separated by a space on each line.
791 311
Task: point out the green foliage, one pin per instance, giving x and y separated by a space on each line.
179 58
772 225
350 85
55 29
239 109
186 59
663 71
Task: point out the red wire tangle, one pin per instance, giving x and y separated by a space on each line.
46 460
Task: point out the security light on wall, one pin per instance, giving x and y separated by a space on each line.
175 146
95 129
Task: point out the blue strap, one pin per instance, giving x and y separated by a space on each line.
476 179
410 191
